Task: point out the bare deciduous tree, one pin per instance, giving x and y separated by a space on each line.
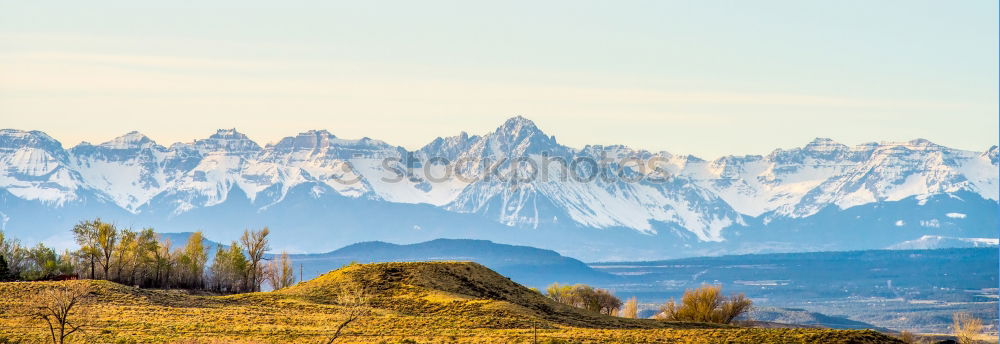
706 304
255 242
630 309
280 273
57 305
907 337
966 327
353 298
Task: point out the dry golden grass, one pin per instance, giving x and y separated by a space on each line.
423 302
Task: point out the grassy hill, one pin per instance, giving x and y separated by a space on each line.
527 265
439 302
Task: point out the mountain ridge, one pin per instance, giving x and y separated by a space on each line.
515 176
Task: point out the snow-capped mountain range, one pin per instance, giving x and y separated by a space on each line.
497 177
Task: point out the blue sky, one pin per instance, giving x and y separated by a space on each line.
702 77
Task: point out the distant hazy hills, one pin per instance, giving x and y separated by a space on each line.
318 191
915 290
525 265
937 241
806 318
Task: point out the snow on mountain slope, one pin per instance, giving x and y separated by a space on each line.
362 168
226 162
323 157
129 169
34 166
801 181
592 195
515 175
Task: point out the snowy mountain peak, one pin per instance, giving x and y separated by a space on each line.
519 136
227 141
131 140
922 143
228 134
34 166
518 127
142 177
449 147
312 140
821 144
16 139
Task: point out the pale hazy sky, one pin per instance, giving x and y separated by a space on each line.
700 77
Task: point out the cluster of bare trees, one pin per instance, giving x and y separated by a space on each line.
142 259
280 273
583 296
240 267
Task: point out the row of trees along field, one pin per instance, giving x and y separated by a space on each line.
141 258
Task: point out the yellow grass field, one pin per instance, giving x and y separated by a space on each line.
441 302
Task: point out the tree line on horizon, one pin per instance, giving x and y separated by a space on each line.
143 259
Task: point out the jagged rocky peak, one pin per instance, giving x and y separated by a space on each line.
452 141
321 144
991 154
449 147
819 148
228 141
614 151
518 127
519 135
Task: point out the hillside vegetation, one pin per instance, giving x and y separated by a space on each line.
439 302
